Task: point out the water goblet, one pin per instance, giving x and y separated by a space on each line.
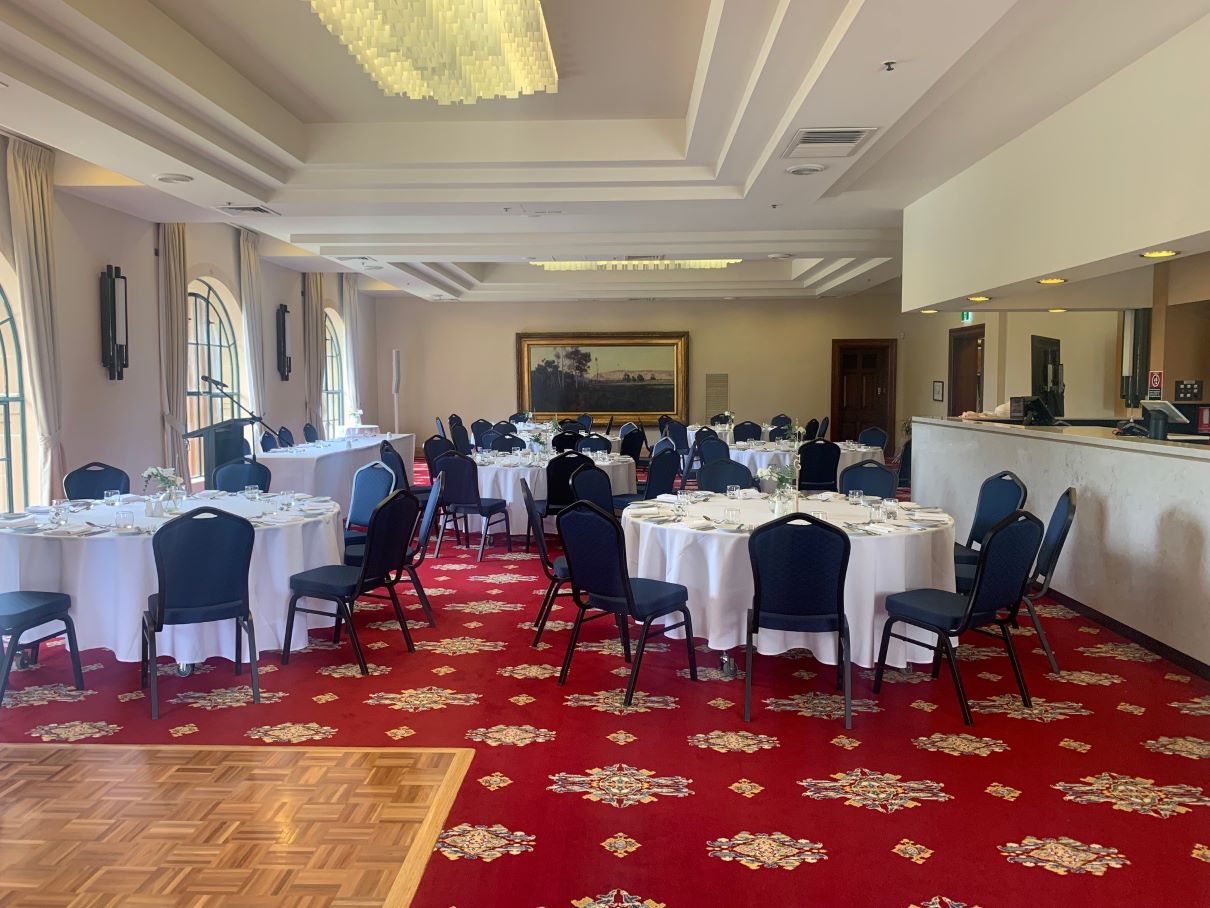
855 496
123 520
731 515
252 492
891 507
285 501
733 491
112 496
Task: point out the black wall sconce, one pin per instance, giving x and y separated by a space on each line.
283 351
115 338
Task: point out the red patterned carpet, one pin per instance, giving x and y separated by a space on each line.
1093 798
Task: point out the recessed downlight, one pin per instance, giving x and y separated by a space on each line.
173 178
1056 311
978 299
928 311
805 170
779 255
1159 253
1049 281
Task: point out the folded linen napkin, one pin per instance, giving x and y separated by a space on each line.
667 499
882 529
698 523
826 496
209 493
72 529
929 517
129 499
18 522
748 494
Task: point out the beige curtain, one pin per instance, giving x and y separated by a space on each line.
254 318
30 175
313 349
351 307
172 290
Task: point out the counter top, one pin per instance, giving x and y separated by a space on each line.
1097 436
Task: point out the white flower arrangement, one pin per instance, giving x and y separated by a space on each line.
165 478
355 417
781 475
730 417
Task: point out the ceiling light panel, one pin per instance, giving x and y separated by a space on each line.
453 51
639 265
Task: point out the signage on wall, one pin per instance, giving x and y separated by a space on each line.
966 318
1155 384
1203 419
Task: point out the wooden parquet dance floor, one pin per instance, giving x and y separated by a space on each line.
108 825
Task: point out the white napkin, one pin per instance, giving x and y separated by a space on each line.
748 494
22 520
667 499
281 519
72 529
826 496
881 529
928 517
128 499
209 493
698 523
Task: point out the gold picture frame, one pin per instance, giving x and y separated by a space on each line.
629 376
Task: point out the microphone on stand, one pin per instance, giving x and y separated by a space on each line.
212 381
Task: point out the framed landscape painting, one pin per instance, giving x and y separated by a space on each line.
626 376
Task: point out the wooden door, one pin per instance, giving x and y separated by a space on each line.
863 388
966 370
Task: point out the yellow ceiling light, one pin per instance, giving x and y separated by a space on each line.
1053 280
454 51
1056 311
639 265
978 299
1159 253
928 311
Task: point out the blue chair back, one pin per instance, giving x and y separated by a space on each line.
823 427
632 444
1061 519
608 426
478 427
559 471
571 425
799 565
719 419
872 436
504 427
627 428
247 447
507 443
371 484
421 544
194 589
441 428
489 437
664 444
388 534
461 479
712 449
591 483
746 431
871 477
779 433
662 422
394 461
678 433
565 441
434 446
239 474
716 475
462 440
594 443
536 528
819 462
1006 560
455 420
781 419
703 432
596 556
517 418
94 479
268 441
662 472
810 430
310 433
585 422
999 496
905 465
285 437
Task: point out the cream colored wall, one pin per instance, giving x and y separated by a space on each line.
1090 356
461 357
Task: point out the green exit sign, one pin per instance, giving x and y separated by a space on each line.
966 318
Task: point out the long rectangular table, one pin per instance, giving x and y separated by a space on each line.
327 467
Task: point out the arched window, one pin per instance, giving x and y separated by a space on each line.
212 352
334 379
14 479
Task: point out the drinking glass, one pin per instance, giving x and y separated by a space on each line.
819 515
252 492
733 491
877 512
112 496
891 507
285 501
731 515
58 512
855 496
123 520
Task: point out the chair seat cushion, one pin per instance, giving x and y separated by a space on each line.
562 572
621 501
218 612
540 504
485 508
354 537
327 581
30 607
651 597
806 624
936 608
964 574
354 554
964 554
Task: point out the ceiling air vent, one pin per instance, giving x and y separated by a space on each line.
827 143
244 210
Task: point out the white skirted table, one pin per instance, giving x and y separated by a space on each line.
758 455
110 576
727 433
713 564
327 467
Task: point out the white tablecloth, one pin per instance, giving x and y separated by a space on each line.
727 433
505 482
715 567
359 430
327 467
110 577
759 457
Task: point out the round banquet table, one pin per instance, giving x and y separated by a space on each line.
502 479
327 467
759 456
714 566
109 577
727 433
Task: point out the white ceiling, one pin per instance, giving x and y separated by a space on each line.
665 138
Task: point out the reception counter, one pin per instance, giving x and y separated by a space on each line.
1139 551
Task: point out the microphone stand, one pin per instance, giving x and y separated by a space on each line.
253 419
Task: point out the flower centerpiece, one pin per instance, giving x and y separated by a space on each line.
355 417
730 417
781 475
165 479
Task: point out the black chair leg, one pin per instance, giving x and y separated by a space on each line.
638 661
154 673
73 650
689 644
958 688
508 532
246 623
345 610
1042 638
937 650
482 538
441 534
548 603
748 672
285 646
571 646
1012 657
143 658
623 636
403 621
11 654
882 648
847 668
239 642
422 596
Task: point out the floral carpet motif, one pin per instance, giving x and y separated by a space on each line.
1196 707
616 898
766 851
1063 855
620 785
960 745
1041 710
42 694
735 742
1134 795
1193 748
353 670
461 646
422 699
1085 679
880 791
1123 652
537 672
510 735
482 843
291 732
225 697
820 706
613 701
73 731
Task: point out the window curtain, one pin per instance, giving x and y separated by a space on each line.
30 176
350 304
254 318
313 349
172 291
